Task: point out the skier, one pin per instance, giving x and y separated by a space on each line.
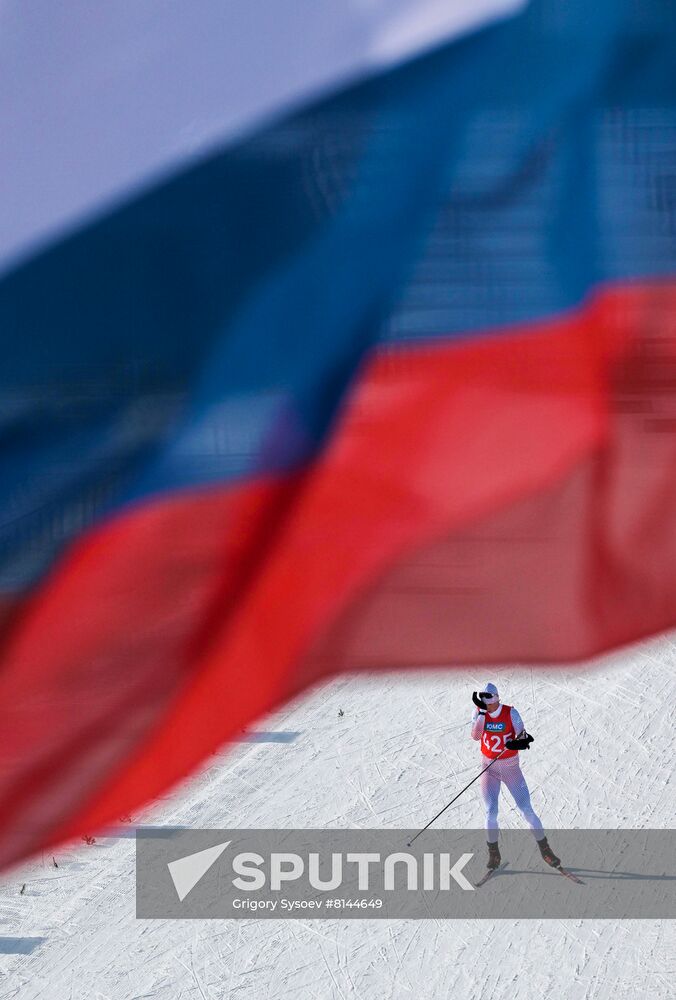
499 728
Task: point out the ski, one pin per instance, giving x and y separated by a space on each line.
491 871
567 874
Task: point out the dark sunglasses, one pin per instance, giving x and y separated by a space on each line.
487 694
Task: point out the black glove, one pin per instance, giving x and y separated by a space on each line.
480 703
521 743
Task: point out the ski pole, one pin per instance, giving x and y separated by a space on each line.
456 797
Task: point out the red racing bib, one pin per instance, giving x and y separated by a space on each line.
496 731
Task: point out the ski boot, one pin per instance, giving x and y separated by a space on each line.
493 856
548 854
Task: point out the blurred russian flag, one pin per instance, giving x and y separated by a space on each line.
335 336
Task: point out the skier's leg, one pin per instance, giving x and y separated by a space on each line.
490 791
516 783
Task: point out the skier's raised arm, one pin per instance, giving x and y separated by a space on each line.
478 716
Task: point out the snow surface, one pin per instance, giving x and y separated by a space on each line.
603 757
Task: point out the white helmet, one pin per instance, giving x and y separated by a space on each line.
489 689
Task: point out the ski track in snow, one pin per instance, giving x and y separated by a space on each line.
603 758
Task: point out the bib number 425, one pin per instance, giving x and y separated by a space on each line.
492 742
